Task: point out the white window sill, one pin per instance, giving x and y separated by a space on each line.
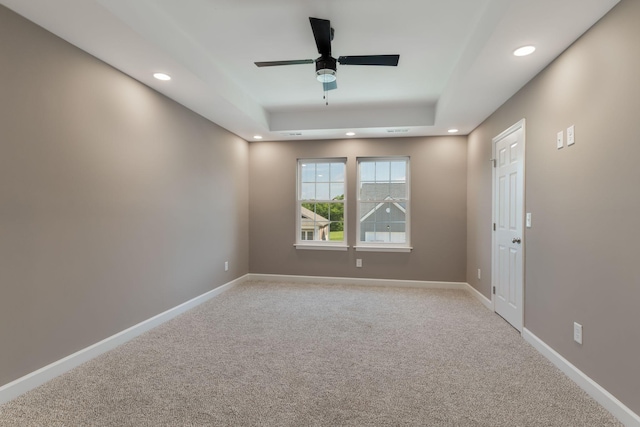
321 247
383 248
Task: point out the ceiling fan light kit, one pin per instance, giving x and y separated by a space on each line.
326 76
327 65
326 69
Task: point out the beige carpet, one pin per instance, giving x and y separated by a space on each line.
317 355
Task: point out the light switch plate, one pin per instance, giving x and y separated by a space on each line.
577 332
528 219
560 140
571 135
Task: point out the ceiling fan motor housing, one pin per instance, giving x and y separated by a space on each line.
326 69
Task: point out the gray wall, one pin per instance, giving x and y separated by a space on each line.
115 202
582 252
438 210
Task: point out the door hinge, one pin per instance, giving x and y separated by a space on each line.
494 226
494 290
493 162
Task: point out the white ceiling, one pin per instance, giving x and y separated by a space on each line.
456 64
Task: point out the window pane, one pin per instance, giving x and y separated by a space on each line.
397 227
336 233
337 190
308 172
337 172
369 191
322 212
382 171
308 191
384 232
383 213
336 212
322 191
322 172
307 220
398 171
398 190
383 191
307 210
367 212
321 229
374 234
367 232
397 232
367 171
396 213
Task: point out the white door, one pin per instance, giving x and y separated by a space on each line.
508 237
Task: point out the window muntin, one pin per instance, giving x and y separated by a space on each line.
383 202
321 201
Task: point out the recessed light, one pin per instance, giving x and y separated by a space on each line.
453 131
350 133
162 76
524 50
257 136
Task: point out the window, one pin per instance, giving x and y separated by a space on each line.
321 204
383 204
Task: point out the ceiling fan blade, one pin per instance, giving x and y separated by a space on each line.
322 33
330 86
385 60
276 63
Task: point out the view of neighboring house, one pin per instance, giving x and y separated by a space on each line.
313 226
383 212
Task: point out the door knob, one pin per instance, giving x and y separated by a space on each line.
517 240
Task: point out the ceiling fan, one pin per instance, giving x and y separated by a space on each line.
326 65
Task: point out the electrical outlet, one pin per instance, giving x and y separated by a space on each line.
226 266
358 262
577 332
479 274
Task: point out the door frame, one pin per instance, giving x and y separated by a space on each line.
521 124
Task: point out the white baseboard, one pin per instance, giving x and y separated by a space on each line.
34 379
477 295
625 415
374 282
357 281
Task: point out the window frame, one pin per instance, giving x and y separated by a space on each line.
319 244
385 246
